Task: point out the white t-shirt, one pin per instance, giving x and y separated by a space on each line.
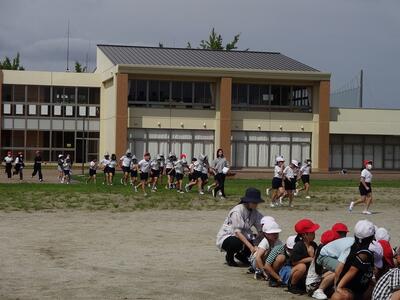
288 172
305 170
144 166
112 164
278 172
264 245
169 164
126 161
92 165
155 165
8 159
105 162
178 165
204 169
367 175
198 166
339 249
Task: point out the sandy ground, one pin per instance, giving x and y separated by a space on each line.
139 255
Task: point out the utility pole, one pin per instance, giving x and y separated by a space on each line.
360 100
68 47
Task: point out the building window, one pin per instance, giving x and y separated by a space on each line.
44 110
33 93
82 111
94 95
260 149
44 94
83 95
57 110
163 141
7 93
32 110
187 94
7 109
19 93
270 97
19 109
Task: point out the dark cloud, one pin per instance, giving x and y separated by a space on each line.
339 36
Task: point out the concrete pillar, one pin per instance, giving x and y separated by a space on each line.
225 113
121 119
1 107
324 116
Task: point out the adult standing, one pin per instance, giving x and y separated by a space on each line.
37 166
235 236
220 167
8 160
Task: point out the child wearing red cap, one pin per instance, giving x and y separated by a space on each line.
341 229
302 255
364 188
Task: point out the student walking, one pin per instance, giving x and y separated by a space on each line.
8 160
105 162
289 180
111 169
197 173
235 236
19 166
37 166
364 188
169 170
305 172
277 181
179 167
134 171
144 167
60 168
220 167
67 169
155 166
92 171
125 163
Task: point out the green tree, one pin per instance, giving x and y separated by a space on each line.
79 68
7 64
215 42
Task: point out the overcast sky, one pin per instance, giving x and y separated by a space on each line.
337 36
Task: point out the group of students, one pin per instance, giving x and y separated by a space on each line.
285 181
64 168
18 163
148 172
363 266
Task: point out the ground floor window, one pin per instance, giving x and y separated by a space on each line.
163 141
348 151
259 149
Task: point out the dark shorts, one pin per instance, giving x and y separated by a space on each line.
111 170
178 176
144 176
276 183
155 173
204 177
126 169
106 170
172 174
363 191
66 172
134 174
290 185
305 179
190 177
92 172
196 175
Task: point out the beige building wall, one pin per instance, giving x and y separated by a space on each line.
107 117
364 121
52 78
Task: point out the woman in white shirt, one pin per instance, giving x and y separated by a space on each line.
365 188
235 236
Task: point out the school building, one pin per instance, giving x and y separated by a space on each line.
254 105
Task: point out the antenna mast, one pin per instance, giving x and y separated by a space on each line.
68 47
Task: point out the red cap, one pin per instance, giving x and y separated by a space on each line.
340 227
305 226
329 236
366 162
387 252
183 155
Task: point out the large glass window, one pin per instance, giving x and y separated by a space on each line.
94 95
83 95
19 93
44 94
7 93
260 149
33 93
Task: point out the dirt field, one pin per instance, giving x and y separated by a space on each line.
139 255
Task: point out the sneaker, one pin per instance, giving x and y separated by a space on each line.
187 188
182 192
230 261
351 206
291 205
122 182
201 193
213 193
148 185
281 200
219 193
319 294
259 275
367 212
135 188
145 194
223 198
272 205
308 197
153 190
208 188
267 191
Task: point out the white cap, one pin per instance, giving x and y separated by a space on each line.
271 227
266 219
382 234
295 163
279 159
290 242
60 155
377 250
364 229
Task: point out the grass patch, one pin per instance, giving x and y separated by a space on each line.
92 197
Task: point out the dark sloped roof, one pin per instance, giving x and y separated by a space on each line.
199 58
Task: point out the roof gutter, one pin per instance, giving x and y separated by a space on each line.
219 72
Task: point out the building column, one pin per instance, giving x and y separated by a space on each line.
121 120
323 124
1 106
225 112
